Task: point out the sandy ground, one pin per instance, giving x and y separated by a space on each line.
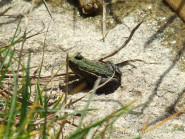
161 84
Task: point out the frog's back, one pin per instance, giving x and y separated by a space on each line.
96 68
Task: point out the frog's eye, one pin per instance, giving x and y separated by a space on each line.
78 56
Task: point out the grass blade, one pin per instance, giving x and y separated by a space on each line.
12 109
25 93
45 117
6 69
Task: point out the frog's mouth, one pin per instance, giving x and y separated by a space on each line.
73 66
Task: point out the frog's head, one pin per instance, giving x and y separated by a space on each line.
75 62
78 56
76 59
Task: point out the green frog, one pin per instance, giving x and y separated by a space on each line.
91 70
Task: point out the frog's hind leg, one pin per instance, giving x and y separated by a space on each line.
108 87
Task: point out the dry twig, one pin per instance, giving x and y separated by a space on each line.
125 43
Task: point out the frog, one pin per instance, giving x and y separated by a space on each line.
90 70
